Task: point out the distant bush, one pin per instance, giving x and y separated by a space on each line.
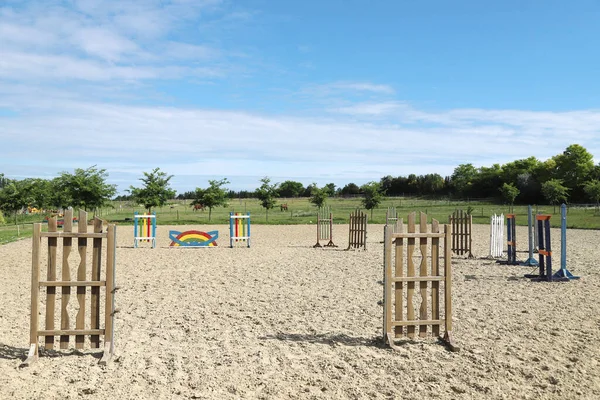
2 220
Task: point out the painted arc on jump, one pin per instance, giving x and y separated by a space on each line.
193 238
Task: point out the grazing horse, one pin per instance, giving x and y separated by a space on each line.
198 207
283 207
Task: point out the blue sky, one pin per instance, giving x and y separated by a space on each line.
313 91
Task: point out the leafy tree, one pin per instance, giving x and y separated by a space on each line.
319 196
59 196
40 192
330 188
574 167
13 197
155 192
87 188
350 189
509 193
267 194
554 191
3 181
2 220
213 196
462 179
592 189
373 196
291 189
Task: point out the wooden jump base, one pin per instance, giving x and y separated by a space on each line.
399 318
239 230
84 280
497 236
325 227
193 238
144 229
462 226
357 236
545 250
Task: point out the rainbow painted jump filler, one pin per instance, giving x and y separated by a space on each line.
193 238
144 229
239 230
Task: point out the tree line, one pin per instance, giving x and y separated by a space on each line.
567 177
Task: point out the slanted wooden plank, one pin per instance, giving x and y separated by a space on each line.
423 272
81 276
399 286
95 296
66 277
435 285
410 249
51 276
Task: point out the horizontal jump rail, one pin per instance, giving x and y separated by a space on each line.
71 283
70 332
74 235
415 235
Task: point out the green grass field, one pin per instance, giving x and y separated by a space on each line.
300 211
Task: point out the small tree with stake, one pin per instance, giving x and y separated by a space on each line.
509 193
213 196
373 196
554 192
267 194
318 197
155 192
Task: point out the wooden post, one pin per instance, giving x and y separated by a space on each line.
95 295
109 305
423 270
410 310
35 293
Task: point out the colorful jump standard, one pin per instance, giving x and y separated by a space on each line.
144 229
239 230
531 262
545 250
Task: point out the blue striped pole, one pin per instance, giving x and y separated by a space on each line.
563 273
135 229
532 262
154 230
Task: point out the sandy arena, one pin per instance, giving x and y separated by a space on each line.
282 320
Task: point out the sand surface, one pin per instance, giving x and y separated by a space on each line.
283 320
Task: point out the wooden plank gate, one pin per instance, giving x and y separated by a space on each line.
85 278
400 296
324 227
462 226
357 236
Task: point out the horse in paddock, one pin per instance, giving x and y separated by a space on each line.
198 207
283 207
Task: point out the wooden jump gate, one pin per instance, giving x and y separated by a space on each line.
357 236
85 279
400 299
324 227
391 219
462 226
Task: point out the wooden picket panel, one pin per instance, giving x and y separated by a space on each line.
357 236
324 227
462 226
400 288
65 283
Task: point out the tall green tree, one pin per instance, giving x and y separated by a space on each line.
574 168
87 188
350 189
215 195
330 188
156 190
462 179
554 191
592 190
291 189
509 193
319 196
13 198
373 196
267 193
